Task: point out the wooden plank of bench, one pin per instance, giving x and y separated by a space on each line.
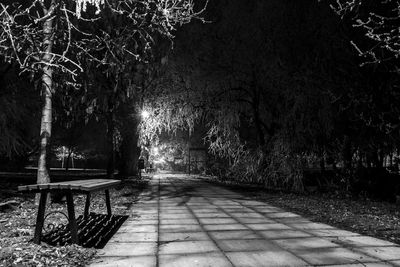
98 186
33 187
79 185
88 184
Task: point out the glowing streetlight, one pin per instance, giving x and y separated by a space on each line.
145 114
155 150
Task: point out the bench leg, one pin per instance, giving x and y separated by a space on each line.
40 218
87 206
71 218
108 204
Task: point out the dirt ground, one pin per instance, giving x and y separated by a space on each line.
18 218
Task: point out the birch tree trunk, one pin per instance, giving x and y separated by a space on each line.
130 151
47 91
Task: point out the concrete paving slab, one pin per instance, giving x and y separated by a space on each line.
183 236
265 259
237 209
217 220
140 261
219 227
337 255
139 222
245 245
143 214
232 234
291 220
139 228
361 241
232 207
278 215
305 243
368 264
187 247
145 217
284 234
142 207
251 203
226 204
334 233
149 202
380 252
255 220
134 237
176 216
251 214
196 201
213 215
195 260
201 210
176 228
129 249
178 221
268 226
174 210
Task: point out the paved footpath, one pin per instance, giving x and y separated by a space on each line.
182 221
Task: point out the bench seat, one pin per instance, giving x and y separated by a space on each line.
79 185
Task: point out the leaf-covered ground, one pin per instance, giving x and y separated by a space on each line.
18 218
364 216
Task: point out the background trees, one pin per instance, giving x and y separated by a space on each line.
286 91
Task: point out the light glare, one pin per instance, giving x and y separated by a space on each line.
145 114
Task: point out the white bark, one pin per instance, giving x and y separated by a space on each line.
47 91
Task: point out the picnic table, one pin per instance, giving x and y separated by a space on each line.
68 188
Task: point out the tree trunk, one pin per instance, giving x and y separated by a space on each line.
110 145
129 156
47 90
130 151
45 128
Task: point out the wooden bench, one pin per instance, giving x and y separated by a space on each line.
68 188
